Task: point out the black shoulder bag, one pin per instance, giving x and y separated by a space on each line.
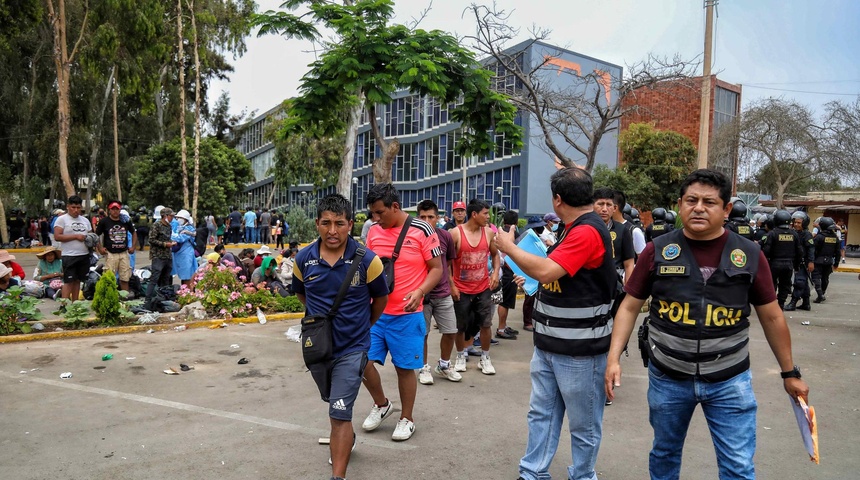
388 263
316 329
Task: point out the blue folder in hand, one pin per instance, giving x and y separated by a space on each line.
531 243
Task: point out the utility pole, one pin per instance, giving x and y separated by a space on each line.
705 113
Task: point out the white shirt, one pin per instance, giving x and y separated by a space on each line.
74 226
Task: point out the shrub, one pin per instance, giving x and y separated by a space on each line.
75 313
14 309
106 304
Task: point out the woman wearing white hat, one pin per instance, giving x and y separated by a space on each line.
184 259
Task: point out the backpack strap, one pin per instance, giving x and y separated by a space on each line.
356 261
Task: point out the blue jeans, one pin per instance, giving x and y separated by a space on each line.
729 408
250 234
559 383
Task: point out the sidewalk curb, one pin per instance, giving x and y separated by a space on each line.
33 337
848 269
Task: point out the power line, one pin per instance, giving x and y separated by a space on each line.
800 91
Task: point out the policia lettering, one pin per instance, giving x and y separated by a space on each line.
717 316
698 325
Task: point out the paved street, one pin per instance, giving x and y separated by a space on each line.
125 419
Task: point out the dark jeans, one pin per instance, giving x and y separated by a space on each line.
161 276
235 234
528 309
265 237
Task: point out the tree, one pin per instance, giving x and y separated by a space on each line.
309 159
639 189
782 135
63 60
842 145
224 173
664 157
578 111
764 181
369 61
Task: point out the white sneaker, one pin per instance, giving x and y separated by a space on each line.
486 365
448 373
377 415
424 376
460 363
404 430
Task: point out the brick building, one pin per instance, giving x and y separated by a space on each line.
675 105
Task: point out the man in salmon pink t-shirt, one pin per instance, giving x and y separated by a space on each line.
400 330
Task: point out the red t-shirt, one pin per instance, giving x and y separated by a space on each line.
707 254
579 247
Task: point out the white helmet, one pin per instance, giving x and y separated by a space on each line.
185 215
157 212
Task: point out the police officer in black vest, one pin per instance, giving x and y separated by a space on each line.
784 251
738 222
659 226
826 254
800 222
703 281
572 326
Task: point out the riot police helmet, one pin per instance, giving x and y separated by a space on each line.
634 214
826 223
142 209
627 210
659 215
803 217
95 208
781 218
670 217
739 211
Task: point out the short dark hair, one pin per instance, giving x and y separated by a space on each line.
620 200
510 218
603 193
713 178
385 192
75 200
246 252
336 204
220 248
426 205
573 185
475 206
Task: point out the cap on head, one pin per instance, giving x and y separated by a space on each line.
115 205
551 217
459 206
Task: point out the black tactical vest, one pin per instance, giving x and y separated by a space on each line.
571 315
826 246
700 328
741 227
654 230
781 246
808 247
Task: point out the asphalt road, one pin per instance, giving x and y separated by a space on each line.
125 419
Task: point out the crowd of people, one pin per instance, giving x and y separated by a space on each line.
600 268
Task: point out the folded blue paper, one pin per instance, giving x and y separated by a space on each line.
531 243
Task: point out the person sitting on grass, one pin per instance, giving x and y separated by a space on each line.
50 269
265 277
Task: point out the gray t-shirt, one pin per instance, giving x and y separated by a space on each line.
74 226
265 219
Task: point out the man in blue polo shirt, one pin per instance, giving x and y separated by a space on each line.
319 271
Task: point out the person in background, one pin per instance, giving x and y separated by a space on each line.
459 215
6 279
266 277
113 232
9 260
184 259
161 242
250 222
265 227
70 230
285 270
373 220
50 268
44 230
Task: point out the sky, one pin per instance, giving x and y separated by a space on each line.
802 50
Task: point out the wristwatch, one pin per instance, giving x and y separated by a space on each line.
793 373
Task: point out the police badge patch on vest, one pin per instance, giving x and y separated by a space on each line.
738 258
671 251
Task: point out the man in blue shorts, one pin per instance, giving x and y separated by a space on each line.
400 330
320 270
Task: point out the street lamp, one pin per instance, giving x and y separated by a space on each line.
354 193
499 191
